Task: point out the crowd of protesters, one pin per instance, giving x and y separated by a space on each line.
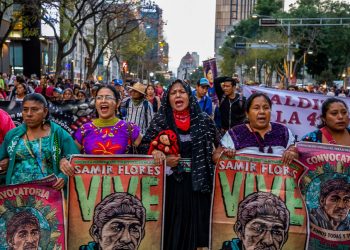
206 125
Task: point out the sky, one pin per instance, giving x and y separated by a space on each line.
190 28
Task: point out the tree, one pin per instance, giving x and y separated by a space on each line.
131 48
67 19
12 14
114 21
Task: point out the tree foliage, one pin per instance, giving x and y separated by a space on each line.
329 44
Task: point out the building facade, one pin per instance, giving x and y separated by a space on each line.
228 14
188 64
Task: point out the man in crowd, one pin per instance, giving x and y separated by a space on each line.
333 213
23 232
118 223
201 93
232 104
137 109
262 223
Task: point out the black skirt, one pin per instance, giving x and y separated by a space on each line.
187 215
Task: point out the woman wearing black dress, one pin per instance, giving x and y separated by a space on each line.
190 173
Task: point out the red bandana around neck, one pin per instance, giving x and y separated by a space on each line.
182 119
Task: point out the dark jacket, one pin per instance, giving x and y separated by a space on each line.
232 111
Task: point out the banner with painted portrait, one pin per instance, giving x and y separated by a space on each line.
210 72
32 216
115 202
326 188
257 204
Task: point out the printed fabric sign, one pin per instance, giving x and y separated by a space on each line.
257 204
326 188
32 216
210 72
299 111
69 115
115 203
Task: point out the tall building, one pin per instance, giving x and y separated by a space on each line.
228 14
188 63
157 56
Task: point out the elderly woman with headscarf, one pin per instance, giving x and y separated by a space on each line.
190 173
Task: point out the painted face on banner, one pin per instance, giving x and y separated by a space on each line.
26 238
121 233
337 205
210 76
263 233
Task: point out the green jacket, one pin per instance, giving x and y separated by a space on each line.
62 145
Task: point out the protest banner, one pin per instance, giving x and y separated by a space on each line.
210 72
257 204
299 111
70 115
326 188
115 200
32 216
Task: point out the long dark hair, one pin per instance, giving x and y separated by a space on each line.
325 107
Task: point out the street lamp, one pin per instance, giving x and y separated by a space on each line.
308 52
268 22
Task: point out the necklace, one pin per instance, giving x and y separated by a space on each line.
38 158
105 123
261 145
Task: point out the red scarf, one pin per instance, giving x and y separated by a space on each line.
182 119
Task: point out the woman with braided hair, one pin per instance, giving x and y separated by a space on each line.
190 173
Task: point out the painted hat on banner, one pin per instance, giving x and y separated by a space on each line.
139 87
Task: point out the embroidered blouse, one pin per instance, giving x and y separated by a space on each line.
243 140
107 140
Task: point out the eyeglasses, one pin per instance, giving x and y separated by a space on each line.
105 97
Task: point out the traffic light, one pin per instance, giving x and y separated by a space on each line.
240 45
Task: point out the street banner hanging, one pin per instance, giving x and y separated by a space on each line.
326 188
69 115
210 72
115 201
257 204
32 216
299 111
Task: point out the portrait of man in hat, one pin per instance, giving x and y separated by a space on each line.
333 212
23 232
118 223
262 223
